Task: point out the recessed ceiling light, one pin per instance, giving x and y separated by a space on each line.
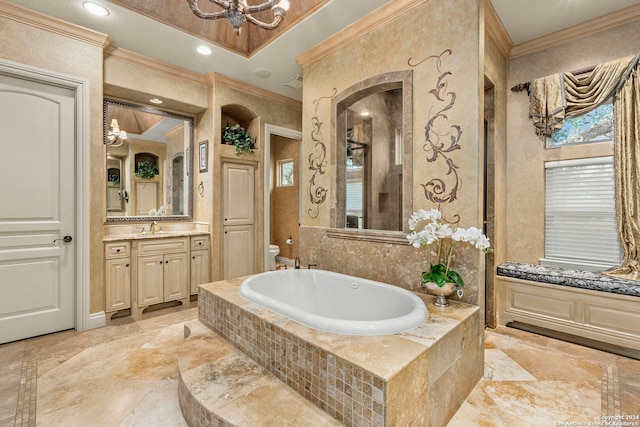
156 101
95 8
203 50
262 72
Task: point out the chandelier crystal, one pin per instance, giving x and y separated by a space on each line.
238 12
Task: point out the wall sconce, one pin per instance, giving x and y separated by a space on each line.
115 136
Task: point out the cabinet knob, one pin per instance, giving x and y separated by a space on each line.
127 265
200 243
117 250
160 262
193 257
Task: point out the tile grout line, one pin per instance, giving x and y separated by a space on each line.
26 405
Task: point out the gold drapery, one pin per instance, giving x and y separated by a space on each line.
627 172
567 95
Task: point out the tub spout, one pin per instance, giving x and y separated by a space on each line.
297 263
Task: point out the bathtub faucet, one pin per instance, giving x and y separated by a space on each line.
311 265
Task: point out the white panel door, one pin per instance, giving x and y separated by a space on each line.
37 190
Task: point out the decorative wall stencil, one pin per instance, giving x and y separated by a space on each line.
317 161
442 138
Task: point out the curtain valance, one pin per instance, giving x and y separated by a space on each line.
563 95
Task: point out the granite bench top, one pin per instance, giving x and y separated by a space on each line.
568 277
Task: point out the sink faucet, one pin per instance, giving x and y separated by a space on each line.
151 227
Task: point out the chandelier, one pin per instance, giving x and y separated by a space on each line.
238 12
115 136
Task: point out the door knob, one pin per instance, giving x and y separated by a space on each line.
65 239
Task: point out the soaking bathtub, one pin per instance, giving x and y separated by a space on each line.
335 302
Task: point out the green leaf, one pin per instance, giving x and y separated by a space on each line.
439 275
455 278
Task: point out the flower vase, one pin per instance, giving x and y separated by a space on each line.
442 292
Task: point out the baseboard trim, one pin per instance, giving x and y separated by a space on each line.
96 320
574 339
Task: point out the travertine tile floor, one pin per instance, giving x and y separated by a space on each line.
126 375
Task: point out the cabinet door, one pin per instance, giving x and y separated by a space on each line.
239 251
176 276
238 194
118 292
150 280
199 269
146 197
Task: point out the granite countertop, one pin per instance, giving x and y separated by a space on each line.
157 235
568 277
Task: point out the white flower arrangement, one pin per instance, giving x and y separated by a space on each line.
427 228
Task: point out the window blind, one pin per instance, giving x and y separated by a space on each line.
354 199
580 220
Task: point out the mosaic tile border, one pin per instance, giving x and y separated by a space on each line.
26 406
347 392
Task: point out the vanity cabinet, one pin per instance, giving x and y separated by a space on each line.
200 262
118 276
155 269
162 270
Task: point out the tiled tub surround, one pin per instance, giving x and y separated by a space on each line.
585 304
419 377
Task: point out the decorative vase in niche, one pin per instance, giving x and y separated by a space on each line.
442 292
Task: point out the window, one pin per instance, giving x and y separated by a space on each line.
594 126
285 173
580 218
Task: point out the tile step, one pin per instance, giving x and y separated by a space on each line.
233 390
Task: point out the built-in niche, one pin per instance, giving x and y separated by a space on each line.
372 142
234 116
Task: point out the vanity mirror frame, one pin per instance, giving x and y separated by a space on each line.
339 104
188 156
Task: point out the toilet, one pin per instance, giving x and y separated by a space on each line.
273 251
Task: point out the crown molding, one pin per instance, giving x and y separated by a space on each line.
369 23
493 26
217 78
606 22
53 25
136 59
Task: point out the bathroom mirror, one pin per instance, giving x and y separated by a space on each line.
149 163
373 146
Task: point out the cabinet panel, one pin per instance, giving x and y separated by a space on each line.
199 243
239 253
163 246
150 280
146 197
176 276
199 269
118 289
238 194
116 250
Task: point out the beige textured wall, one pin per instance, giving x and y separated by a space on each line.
446 35
526 154
82 59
